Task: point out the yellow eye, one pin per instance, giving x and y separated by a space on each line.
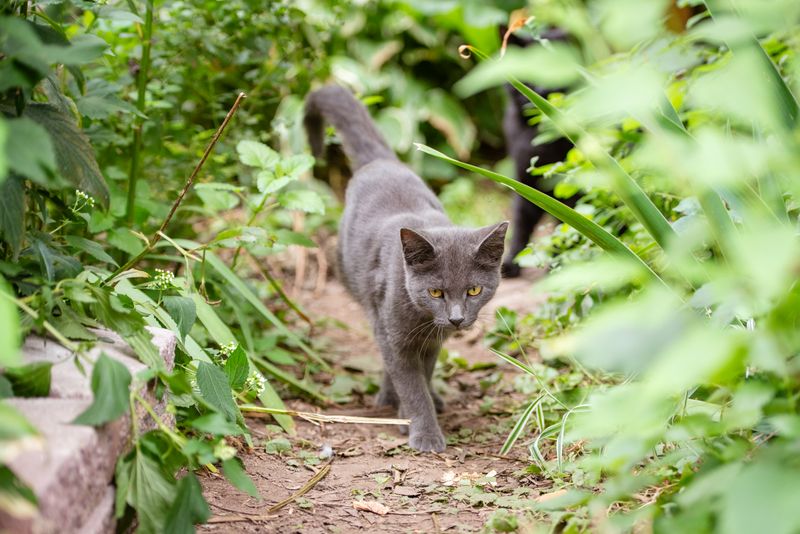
474 291
435 293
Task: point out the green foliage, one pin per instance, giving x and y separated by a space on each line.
32 380
677 389
110 383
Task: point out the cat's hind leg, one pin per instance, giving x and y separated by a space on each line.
387 396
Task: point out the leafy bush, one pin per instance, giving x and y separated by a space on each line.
686 417
124 203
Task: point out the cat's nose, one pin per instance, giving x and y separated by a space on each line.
456 321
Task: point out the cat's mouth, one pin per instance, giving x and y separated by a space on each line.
450 327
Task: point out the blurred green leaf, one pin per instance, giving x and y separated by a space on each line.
74 153
303 200
255 154
93 248
189 507
12 213
236 475
111 381
183 311
31 380
30 151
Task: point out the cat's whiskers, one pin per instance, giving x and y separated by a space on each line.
416 331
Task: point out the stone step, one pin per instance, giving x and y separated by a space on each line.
71 467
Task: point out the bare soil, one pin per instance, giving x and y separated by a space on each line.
449 492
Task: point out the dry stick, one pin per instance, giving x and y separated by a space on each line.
276 286
305 489
323 418
157 236
313 481
322 271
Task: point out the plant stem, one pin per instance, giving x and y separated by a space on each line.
141 87
47 326
261 268
157 236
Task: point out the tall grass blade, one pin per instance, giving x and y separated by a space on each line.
515 433
585 226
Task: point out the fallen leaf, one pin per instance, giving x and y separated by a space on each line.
551 495
371 506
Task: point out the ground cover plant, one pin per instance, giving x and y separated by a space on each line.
655 387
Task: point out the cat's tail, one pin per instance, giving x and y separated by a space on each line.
335 105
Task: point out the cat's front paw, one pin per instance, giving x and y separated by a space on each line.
427 441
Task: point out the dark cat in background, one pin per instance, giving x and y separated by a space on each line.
419 277
519 137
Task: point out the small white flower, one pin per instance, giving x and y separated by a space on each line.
255 383
163 280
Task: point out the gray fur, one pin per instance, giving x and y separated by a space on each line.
396 243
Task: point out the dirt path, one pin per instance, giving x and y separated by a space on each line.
455 491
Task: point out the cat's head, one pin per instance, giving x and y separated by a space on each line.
452 273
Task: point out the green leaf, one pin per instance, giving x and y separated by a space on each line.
9 325
302 199
270 399
30 151
183 311
268 184
214 423
143 484
82 49
189 507
13 425
236 475
15 495
237 368
32 380
92 248
255 154
111 381
762 498
287 237
296 164
103 106
6 390
218 330
3 149
12 213
215 389
74 153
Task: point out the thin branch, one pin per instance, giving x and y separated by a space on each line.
305 489
277 287
157 236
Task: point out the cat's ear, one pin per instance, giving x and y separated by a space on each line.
490 250
416 249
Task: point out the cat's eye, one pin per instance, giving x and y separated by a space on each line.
435 293
474 291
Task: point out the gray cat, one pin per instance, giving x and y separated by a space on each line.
419 277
